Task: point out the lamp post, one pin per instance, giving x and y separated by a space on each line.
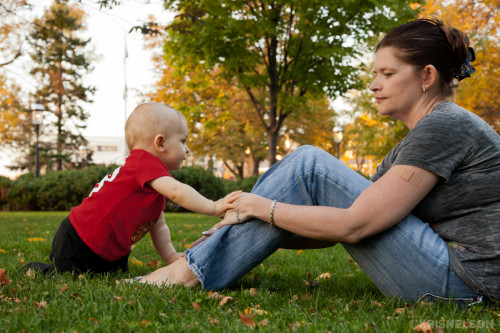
83 154
338 133
37 119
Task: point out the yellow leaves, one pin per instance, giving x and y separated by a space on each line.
323 276
2 251
36 239
4 278
135 262
300 251
255 310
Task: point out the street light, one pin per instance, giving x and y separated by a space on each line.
83 154
338 133
37 122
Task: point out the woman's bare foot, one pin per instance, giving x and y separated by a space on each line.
177 272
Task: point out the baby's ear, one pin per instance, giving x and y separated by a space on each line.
159 142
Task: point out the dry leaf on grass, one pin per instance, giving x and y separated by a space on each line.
399 310
246 320
36 239
253 291
30 273
4 278
423 327
376 303
64 288
196 306
323 276
40 305
225 300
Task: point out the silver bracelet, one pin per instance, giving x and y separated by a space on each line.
271 215
238 210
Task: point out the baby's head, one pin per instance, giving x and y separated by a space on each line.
149 120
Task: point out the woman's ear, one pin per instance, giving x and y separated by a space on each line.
430 76
159 143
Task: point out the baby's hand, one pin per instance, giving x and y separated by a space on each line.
228 202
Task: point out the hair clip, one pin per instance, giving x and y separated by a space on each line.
466 69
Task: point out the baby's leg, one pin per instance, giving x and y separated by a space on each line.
176 273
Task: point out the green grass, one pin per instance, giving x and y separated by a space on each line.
346 302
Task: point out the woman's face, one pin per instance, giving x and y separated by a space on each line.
397 86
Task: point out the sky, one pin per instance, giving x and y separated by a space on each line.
109 32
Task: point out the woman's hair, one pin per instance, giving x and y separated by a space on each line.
425 42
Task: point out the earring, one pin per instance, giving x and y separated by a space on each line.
424 89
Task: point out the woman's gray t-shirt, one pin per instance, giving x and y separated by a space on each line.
464 206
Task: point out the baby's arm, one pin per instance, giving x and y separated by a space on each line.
187 197
160 234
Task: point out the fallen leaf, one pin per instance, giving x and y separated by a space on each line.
423 327
21 261
264 322
300 251
144 323
349 259
399 310
79 277
36 239
118 298
323 276
196 306
1 250
246 320
4 278
154 263
306 296
163 314
376 303
64 288
135 262
30 273
295 297
225 300
94 320
253 291
40 305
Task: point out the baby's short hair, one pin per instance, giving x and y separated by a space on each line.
148 120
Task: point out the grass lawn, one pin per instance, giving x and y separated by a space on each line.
278 295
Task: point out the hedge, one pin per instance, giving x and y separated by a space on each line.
62 190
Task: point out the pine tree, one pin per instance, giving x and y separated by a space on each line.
60 62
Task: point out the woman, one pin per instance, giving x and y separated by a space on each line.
427 224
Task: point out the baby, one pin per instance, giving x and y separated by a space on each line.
98 234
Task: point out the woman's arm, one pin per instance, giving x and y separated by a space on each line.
382 205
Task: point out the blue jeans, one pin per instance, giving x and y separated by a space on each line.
408 260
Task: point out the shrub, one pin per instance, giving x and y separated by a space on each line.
201 180
5 184
246 184
59 190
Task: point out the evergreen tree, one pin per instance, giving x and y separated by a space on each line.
60 62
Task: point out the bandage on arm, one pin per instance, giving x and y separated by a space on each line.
410 176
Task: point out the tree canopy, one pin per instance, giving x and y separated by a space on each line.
279 51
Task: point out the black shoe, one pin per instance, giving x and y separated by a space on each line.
39 267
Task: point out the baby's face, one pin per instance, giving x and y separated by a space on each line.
176 149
